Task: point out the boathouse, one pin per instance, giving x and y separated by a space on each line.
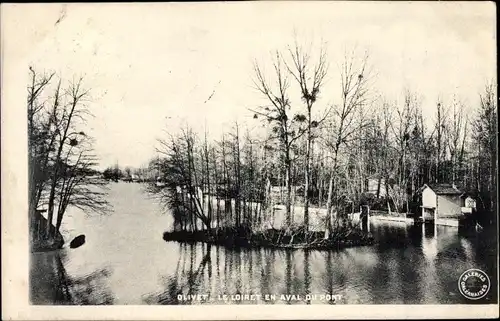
442 201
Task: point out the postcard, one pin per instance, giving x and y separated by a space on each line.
249 160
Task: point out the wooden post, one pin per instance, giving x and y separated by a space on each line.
368 219
364 216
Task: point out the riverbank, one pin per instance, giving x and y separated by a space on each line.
273 238
39 242
44 245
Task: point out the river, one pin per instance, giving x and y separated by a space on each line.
126 261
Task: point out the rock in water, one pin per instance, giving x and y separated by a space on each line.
77 241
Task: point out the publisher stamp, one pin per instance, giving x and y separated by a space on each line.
474 284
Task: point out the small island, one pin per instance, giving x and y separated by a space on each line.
262 224
296 238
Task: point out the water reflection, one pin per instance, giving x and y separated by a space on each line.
51 283
411 265
127 262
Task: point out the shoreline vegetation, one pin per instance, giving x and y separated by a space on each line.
254 224
251 224
296 238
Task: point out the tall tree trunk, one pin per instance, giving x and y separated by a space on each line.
227 199
217 196
329 205
209 188
55 176
379 183
237 206
288 199
308 170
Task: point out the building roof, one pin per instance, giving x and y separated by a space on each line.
444 189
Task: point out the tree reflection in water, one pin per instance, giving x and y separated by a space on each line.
288 280
51 284
408 265
184 282
307 275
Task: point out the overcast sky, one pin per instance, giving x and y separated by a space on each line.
146 62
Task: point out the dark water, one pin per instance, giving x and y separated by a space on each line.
125 261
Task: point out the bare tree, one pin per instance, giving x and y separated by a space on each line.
61 164
485 129
40 138
78 185
310 80
66 137
456 135
181 171
441 116
209 187
385 164
344 123
217 181
237 173
423 136
227 180
279 115
402 128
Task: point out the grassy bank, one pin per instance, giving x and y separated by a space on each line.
274 238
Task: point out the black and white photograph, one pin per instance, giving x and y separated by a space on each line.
321 154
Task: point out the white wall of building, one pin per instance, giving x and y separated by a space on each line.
449 206
428 198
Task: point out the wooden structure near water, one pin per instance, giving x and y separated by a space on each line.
365 217
445 204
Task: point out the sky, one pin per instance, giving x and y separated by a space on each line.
152 67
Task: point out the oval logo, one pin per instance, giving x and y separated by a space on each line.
474 284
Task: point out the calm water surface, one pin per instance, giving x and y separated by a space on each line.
126 261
